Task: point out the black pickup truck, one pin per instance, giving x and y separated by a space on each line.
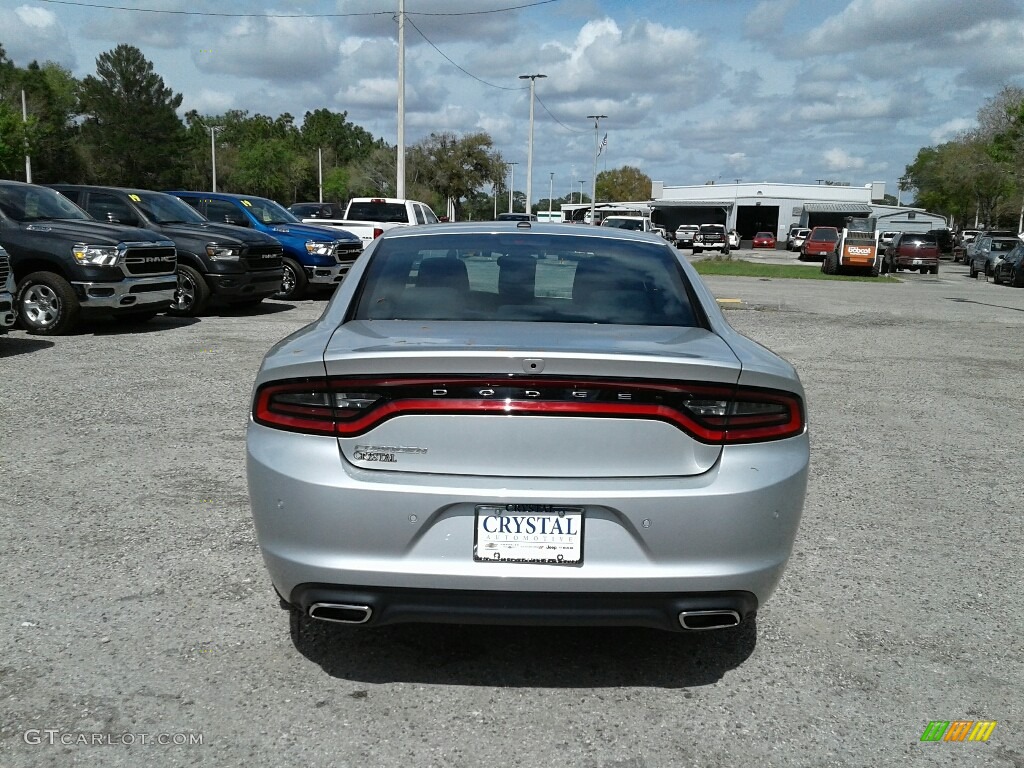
217 263
67 264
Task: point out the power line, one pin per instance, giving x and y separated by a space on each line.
290 15
463 71
567 127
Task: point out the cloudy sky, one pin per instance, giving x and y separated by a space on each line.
693 90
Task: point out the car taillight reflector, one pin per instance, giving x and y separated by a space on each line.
716 414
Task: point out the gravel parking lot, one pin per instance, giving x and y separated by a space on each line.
138 618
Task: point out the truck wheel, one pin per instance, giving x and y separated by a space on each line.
972 271
935 269
697 250
293 281
192 294
830 266
47 304
874 270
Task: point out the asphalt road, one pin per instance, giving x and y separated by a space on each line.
137 617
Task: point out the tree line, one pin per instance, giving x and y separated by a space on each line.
978 177
120 127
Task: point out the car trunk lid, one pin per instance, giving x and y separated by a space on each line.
528 399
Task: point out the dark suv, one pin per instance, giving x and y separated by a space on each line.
912 250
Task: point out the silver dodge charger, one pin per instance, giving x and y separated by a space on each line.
523 423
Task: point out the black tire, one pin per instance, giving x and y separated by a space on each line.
830 266
1017 280
935 269
972 271
293 282
696 250
47 304
874 270
192 294
725 251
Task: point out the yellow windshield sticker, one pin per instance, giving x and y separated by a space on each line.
247 204
136 198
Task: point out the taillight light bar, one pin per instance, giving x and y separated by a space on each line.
349 407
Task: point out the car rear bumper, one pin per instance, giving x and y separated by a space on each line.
321 520
378 606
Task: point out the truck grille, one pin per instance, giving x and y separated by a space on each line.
5 267
150 260
264 257
346 253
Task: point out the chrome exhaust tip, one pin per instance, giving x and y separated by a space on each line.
340 613
701 620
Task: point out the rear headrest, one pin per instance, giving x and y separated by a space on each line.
443 272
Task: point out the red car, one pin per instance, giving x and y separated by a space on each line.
820 243
764 240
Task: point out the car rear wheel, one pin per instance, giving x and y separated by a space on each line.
972 271
47 304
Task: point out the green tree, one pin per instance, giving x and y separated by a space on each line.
453 167
49 135
622 184
131 130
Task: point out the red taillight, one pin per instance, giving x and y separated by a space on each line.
377 232
716 414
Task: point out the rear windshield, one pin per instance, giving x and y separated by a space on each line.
712 229
825 235
634 224
920 239
1004 245
378 211
531 278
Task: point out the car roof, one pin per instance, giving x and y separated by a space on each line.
522 227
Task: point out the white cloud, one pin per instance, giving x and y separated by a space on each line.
32 33
838 159
949 130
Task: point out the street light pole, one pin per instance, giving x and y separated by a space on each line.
551 194
529 151
597 150
213 152
28 157
581 191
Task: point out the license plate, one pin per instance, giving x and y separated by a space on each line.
528 533
916 262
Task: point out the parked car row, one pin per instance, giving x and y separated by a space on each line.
987 250
76 250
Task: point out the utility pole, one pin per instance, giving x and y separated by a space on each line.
320 167
529 151
597 150
400 182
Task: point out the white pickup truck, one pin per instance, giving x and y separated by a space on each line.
370 217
